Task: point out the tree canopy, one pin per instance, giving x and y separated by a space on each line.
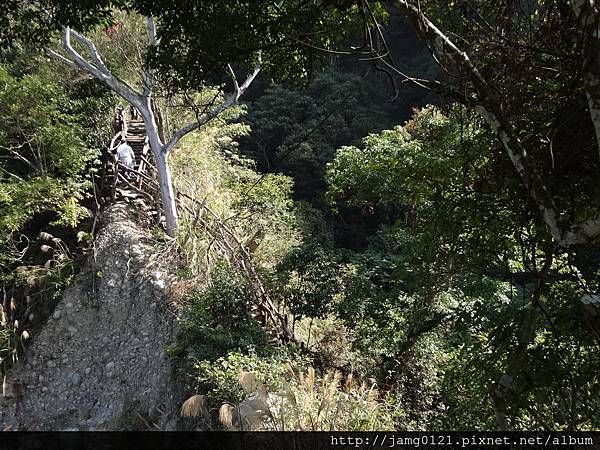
436 264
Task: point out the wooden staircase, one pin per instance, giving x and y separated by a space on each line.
137 139
140 187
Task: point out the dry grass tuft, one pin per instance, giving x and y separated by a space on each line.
45 236
324 403
226 415
308 401
194 406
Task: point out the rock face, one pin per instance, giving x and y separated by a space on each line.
100 362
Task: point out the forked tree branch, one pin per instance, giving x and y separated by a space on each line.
229 101
97 69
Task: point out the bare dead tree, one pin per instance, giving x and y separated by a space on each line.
94 65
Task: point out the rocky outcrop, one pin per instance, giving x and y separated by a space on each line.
101 361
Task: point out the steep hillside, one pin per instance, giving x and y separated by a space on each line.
100 362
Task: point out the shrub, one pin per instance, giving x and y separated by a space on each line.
279 393
219 320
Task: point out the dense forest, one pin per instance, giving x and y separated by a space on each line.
380 215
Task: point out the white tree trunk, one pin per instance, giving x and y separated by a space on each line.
143 102
165 181
589 32
166 192
162 166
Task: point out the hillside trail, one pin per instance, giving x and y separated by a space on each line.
101 360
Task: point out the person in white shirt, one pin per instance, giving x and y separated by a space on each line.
126 156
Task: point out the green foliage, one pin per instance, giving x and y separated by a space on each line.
257 208
297 132
433 176
219 320
264 201
451 266
11 344
50 133
219 379
36 22
435 280
307 280
44 157
394 299
122 44
197 42
41 286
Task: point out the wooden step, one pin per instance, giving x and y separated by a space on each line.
127 193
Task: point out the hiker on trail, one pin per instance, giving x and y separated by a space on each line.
135 114
118 119
126 157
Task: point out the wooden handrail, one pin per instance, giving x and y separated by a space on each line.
223 237
243 259
138 173
141 173
139 191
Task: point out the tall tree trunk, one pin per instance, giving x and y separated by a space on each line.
510 385
162 166
143 101
588 17
166 192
